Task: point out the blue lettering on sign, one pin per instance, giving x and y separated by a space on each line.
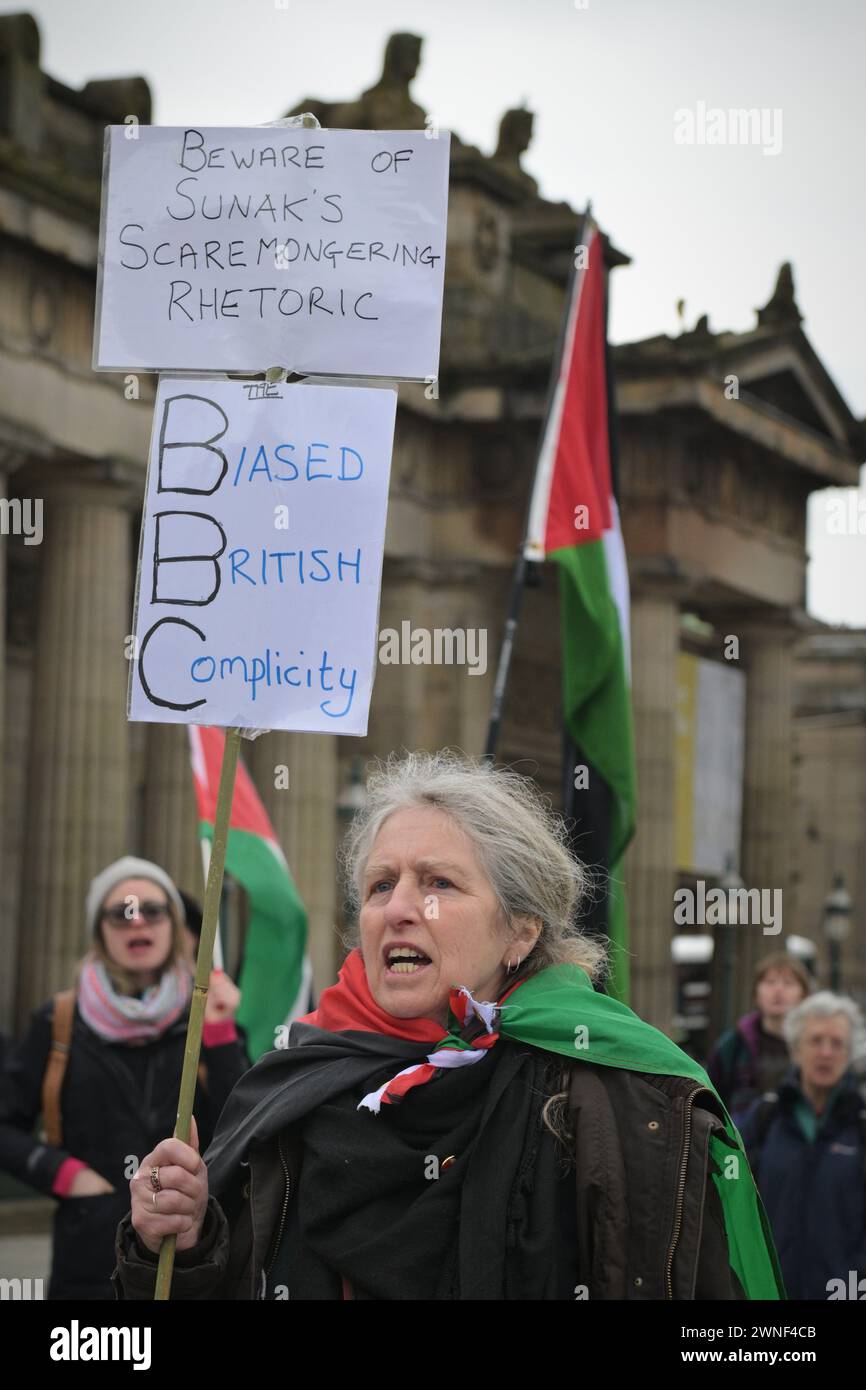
264 566
265 669
338 462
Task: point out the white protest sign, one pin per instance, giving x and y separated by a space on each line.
238 249
260 567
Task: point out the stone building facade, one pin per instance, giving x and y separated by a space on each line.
830 789
713 493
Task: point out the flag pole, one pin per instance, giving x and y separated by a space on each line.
521 567
210 918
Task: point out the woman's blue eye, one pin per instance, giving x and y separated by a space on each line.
386 883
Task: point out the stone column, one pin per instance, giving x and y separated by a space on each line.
9 935
768 654
651 860
435 706
305 820
15 707
170 815
79 768
400 715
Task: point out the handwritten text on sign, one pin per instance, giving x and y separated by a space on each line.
241 249
261 556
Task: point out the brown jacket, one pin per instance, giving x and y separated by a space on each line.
649 1220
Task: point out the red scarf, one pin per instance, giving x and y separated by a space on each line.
349 1006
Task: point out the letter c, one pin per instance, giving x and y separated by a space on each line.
156 699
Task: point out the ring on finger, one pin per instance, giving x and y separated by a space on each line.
154 1195
154 1180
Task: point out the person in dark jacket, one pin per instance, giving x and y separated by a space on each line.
120 1086
463 1116
806 1147
753 1056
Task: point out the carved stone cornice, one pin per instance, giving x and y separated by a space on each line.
86 482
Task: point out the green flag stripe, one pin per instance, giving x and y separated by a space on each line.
275 946
596 698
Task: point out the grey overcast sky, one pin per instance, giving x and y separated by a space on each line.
707 224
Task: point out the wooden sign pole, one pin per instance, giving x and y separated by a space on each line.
210 918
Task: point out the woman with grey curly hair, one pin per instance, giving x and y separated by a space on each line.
520 846
463 1116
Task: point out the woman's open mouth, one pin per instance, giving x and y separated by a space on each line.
139 944
404 960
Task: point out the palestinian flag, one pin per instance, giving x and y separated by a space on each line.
574 521
275 974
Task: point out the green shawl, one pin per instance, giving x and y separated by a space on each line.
558 1010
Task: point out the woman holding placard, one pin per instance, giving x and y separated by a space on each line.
463 1116
102 1063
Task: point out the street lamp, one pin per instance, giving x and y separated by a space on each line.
730 884
837 922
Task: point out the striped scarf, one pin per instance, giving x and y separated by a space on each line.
123 1018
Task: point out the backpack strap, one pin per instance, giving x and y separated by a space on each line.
55 1067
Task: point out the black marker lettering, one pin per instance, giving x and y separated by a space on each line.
156 699
194 148
196 444
133 244
211 559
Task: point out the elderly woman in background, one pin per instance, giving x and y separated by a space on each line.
807 1145
102 1063
463 1116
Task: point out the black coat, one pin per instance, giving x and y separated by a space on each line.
641 1216
814 1191
118 1102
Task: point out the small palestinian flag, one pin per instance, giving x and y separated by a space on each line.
275 973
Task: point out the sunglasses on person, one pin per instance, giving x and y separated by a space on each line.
120 915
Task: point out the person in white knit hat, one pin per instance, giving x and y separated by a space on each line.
102 1064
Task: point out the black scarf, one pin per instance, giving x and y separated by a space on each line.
497 1223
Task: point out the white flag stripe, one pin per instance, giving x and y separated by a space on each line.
540 505
199 765
617 576
447 1058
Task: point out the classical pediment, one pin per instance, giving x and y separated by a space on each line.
767 384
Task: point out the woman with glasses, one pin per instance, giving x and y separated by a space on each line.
110 1092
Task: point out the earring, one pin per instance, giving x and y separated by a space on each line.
512 969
